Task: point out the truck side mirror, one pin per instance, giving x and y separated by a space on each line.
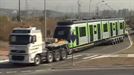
33 39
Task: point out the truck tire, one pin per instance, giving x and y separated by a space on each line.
37 60
57 55
50 57
63 54
122 39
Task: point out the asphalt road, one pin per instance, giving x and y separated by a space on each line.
94 71
9 69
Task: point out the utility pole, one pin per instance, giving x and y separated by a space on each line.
45 22
26 5
97 11
79 12
18 16
26 9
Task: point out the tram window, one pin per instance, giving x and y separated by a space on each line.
82 31
105 27
121 25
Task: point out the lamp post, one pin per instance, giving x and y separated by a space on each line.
18 16
79 10
45 22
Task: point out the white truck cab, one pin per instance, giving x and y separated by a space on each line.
25 45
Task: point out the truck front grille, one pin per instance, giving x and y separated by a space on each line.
18 51
20 58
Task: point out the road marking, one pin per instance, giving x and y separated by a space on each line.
130 55
131 43
75 56
113 54
26 71
104 56
39 70
11 72
90 57
116 55
96 68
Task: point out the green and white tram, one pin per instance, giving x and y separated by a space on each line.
80 33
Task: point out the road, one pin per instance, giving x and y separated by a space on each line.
92 71
8 69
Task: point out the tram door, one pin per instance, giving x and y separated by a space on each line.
99 31
114 29
111 29
91 33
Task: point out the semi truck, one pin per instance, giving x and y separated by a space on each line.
27 45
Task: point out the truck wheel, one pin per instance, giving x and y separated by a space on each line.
63 54
122 39
57 55
50 57
37 60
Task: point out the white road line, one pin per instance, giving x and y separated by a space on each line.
116 55
75 56
11 72
90 57
130 55
103 56
113 54
26 71
39 70
95 68
131 43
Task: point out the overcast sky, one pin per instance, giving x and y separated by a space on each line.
69 5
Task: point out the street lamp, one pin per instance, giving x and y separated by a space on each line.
18 16
45 22
79 10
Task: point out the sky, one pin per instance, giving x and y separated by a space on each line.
68 5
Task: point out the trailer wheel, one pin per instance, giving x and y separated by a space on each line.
57 55
63 54
50 57
37 60
122 39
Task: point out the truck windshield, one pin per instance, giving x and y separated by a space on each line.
20 39
62 33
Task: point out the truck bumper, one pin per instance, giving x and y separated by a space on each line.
24 59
